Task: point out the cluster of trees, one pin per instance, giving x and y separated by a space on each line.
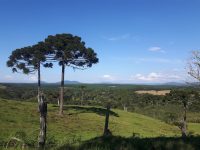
122 98
186 98
159 107
66 49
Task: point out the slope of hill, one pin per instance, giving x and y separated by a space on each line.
78 123
175 83
69 82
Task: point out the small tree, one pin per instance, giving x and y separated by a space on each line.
82 88
186 97
29 60
106 98
70 51
124 97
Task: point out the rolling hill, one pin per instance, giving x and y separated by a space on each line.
78 123
69 82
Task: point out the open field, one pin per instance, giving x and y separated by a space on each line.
78 124
2 87
153 92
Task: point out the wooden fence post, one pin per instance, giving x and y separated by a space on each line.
43 122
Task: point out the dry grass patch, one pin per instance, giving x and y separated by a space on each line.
153 92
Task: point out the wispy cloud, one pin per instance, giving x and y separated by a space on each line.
157 77
33 78
117 38
150 77
160 60
171 43
156 49
108 77
148 60
18 78
8 77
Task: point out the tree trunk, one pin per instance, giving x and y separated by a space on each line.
184 127
43 119
62 89
106 130
82 98
58 101
39 84
125 108
42 107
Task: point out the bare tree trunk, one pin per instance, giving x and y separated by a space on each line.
125 108
184 128
82 93
58 101
106 130
62 89
42 107
43 122
39 84
82 98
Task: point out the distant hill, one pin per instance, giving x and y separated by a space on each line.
69 82
44 82
175 83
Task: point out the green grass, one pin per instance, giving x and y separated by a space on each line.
133 143
2 87
79 123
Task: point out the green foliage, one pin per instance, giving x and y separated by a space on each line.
71 51
185 96
29 58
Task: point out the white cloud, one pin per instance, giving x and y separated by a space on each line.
148 60
117 38
155 60
33 78
17 77
8 77
156 49
160 60
108 77
157 77
150 77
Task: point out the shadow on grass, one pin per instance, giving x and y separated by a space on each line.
97 110
134 143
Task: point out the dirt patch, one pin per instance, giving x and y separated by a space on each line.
153 92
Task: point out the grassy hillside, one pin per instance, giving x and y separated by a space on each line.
78 123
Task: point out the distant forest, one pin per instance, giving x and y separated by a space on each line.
125 97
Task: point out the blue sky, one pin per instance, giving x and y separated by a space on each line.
137 41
